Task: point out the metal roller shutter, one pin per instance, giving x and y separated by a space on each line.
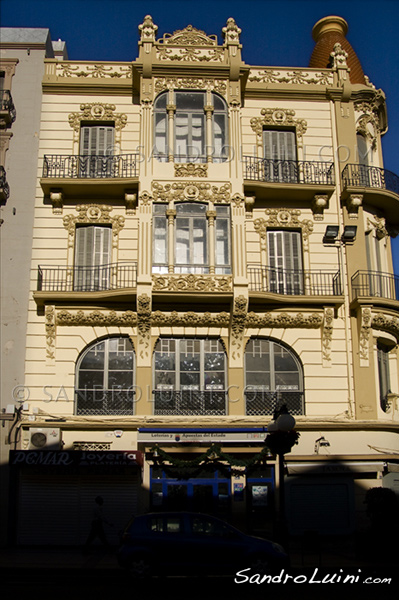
57 509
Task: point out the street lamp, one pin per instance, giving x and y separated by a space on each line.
280 439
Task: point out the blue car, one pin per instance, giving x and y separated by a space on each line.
183 543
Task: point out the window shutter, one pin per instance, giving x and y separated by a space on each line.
96 140
92 249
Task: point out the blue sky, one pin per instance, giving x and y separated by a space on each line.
274 33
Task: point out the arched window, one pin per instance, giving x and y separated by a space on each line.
105 378
181 127
189 377
273 376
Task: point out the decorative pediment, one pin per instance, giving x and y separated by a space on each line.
278 117
190 36
97 111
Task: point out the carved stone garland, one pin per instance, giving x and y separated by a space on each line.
326 339
280 117
238 324
364 336
49 317
191 191
194 83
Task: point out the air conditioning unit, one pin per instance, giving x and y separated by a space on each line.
44 438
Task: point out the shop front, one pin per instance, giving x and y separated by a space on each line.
228 473
54 493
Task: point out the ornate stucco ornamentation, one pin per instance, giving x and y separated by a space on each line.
326 340
364 336
190 319
231 32
281 117
379 225
189 36
96 111
238 318
49 318
97 71
387 323
145 198
338 57
353 204
191 170
284 218
293 77
196 83
130 203
96 318
57 199
189 45
191 191
192 283
319 204
148 29
284 320
93 214
144 322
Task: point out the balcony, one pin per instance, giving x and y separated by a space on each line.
288 282
189 402
4 187
113 280
260 402
7 109
303 179
379 187
92 176
374 285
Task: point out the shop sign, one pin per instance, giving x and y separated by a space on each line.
65 458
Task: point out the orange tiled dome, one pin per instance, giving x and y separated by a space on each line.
327 32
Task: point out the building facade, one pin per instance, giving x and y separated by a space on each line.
211 242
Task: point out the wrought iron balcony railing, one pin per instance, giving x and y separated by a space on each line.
189 402
368 176
294 282
306 172
4 187
104 402
7 104
62 166
114 276
375 284
260 402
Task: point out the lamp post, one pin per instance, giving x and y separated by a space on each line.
280 439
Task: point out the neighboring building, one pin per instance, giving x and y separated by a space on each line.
211 241
22 54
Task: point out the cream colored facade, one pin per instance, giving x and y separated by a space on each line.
327 308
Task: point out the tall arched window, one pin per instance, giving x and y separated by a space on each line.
192 128
189 377
273 376
105 378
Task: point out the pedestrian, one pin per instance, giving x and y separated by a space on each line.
97 526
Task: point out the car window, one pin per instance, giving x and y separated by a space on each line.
166 524
209 527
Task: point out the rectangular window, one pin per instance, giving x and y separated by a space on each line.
222 240
285 262
280 156
383 375
191 239
92 258
96 150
